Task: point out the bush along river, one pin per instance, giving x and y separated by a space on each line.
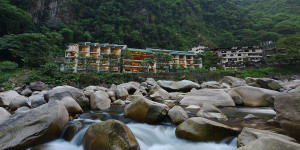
230 114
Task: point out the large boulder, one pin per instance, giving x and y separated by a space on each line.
4 114
270 143
218 98
131 87
254 96
235 96
266 83
37 100
183 85
37 86
158 94
211 112
210 85
204 130
60 92
297 89
100 100
95 88
249 134
287 108
110 134
233 81
33 127
7 96
71 105
177 115
121 92
18 102
112 95
22 109
143 110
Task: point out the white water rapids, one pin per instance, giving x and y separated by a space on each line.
150 137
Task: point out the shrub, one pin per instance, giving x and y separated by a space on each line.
8 66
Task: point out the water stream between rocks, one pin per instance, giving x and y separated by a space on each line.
152 137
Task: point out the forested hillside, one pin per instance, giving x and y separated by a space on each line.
170 24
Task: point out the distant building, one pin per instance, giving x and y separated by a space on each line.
198 49
239 57
97 50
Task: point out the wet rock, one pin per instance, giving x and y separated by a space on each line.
203 130
33 127
248 135
60 92
158 94
121 93
100 100
224 86
143 110
4 114
251 116
37 86
71 105
18 102
37 100
7 96
110 134
26 92
213 96
177 115
210 85
297 89
253 96
72 130
183 85
270 143
287 108
209 111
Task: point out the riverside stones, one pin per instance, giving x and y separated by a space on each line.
254 96
287 108
38 86
100 100
71 105
248 135
18 102
210 85
110 134
270 143
7 96
183 85
158 94
72 129
211 112
217 97
4 114
131 87
37 100
60 92
233 81
121 92
33 127
143 110
203 130
177 115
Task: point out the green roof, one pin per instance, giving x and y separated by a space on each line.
139 50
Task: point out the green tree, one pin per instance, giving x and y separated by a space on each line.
30 49
13 19
210 59
162 59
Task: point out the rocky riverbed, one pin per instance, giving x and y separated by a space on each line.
255 113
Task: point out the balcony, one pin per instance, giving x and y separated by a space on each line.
72 50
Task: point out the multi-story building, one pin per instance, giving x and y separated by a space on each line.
106 57
240 56
198 49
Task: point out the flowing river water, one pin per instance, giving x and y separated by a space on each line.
150 137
